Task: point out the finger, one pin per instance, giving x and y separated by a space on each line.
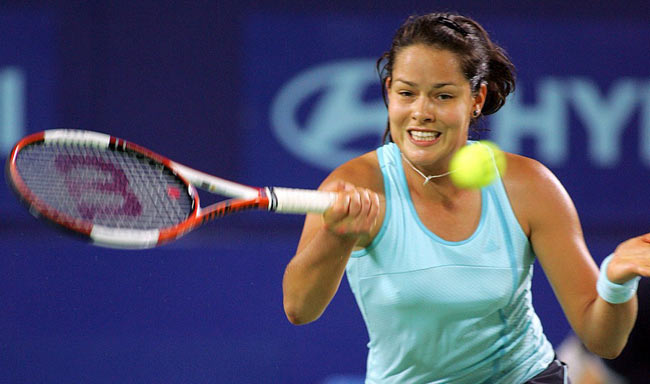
334 186
364 224
373 214
338 210
366 202
342 205
355 203
348 187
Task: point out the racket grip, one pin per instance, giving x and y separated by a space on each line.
290 200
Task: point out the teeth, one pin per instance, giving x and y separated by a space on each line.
424 136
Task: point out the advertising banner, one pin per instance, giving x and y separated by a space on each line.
312 102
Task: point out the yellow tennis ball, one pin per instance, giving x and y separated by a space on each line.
475 165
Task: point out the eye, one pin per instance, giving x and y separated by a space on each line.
405 93
445 96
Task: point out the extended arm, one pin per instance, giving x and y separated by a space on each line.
557 239
314 274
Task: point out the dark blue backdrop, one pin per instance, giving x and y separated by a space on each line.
273 94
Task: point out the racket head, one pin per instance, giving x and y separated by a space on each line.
112 192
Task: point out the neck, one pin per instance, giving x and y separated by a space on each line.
425 177
439 190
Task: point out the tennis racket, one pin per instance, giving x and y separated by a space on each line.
121 195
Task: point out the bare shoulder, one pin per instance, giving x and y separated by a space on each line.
524 174
534 191
362 171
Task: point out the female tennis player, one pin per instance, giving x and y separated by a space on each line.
442 275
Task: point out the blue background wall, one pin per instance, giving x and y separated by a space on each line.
268 93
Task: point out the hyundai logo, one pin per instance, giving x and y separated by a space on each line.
320 114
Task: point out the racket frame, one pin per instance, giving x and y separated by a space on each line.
247 197
282 200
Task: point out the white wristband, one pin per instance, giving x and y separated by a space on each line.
612 292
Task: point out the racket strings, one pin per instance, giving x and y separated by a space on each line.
113 188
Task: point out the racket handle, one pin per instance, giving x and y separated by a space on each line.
290 200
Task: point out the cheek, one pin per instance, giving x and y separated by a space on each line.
459 114
461 120
397 111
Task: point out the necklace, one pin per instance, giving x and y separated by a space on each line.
426 178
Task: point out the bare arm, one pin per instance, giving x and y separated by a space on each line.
557 239
314 274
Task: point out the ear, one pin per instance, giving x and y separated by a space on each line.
385 92
479 97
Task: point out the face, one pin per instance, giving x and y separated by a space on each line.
430 105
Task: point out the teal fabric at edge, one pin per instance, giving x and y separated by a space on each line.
439 311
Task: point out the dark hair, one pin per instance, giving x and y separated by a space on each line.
481 60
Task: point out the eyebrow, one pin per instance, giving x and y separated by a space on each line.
435 86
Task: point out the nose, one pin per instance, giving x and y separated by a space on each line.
423 111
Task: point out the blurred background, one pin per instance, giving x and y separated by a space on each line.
274 93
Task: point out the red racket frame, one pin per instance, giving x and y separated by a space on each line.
111 237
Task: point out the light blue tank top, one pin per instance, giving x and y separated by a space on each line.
447 312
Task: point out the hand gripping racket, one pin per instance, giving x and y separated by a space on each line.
121 195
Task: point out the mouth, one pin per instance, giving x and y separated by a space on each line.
423 137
